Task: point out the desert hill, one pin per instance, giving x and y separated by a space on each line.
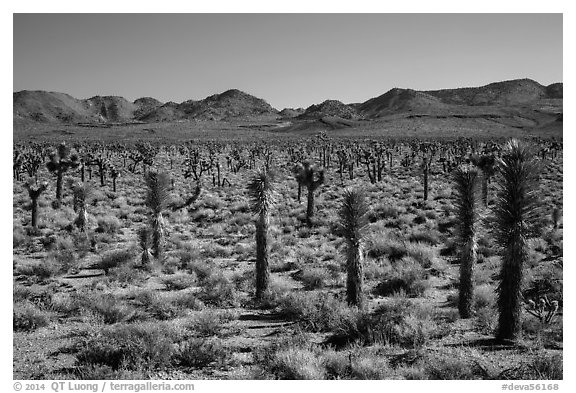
50 107
330 108
505 107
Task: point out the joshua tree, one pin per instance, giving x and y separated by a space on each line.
309 176
145 245
82 192
352 223
515 213
157 198
114 173
60 162
426 164
261 191
34 193
466 185
487 164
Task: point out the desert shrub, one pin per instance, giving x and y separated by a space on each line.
429 237
199 353
186 300
109 308
306 255
284 266
484 296
202 269
65 258
177 282
274 294
397 323
28 317
380 246
134 347
405 276
108 224
375 270
187 253
313 278
317 312
203 215
19 237
209 323
486 320
65 243
126 274
296 363
420 218
217 290
544 366
422 253
451 368
42 270
383 211
170 265
65 303
156 306
113 259
355 364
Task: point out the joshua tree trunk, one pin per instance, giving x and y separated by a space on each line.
114 184
466 291
466 186
82 173
82 218
35 212
509 321
485 181
310 207
425 184
299 193
59 177
157 235
352 221
262 267
354 294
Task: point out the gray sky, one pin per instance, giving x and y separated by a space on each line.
290 60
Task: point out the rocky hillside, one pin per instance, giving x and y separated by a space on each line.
399 100
470 99
49 107
513 92
329 108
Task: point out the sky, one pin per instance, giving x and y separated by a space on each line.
290 60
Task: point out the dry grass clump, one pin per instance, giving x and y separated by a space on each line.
28 317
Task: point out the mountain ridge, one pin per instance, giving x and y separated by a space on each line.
233 104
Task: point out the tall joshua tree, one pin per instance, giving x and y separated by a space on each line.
157 198
262 195
60 162
487 164
466 186
352 223
515 213
34 192
311 177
